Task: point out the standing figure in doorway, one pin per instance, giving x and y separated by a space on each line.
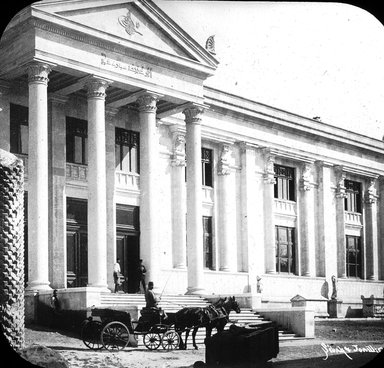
116 274
141 271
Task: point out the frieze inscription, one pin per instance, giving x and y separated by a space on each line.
132 67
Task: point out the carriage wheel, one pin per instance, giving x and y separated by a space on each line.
152 340
115 336
170 340
90 334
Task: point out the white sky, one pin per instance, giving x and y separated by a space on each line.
312 59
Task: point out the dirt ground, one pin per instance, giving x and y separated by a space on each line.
337 344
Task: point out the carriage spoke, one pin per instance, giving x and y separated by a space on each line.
115 336
170 340
90 334
152 340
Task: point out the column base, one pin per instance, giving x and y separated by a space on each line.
37 286
195 291
270 272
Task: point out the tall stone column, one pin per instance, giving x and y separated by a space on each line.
371 232
307 222
179 210
269 205
38 178
194 201
149 215
340 222
97 210
57 210
110 114
227 211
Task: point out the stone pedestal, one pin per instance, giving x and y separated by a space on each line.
319 305
334 308
373 307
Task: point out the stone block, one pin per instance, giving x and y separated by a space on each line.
318 305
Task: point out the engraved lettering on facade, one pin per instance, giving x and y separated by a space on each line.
132 67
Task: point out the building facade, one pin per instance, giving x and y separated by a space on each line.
129 155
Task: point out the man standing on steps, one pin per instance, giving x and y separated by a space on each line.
116 274
141 271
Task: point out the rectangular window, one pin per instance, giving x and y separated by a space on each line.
353 256
19 129
284 187
352 202
285 249
207 242
77 141
207 167
127 150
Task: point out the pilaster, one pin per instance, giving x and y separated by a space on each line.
326 254
252 212
307 227
269 205
371 231
179 205
227 211
340 222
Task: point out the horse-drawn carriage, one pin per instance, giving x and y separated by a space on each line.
114 329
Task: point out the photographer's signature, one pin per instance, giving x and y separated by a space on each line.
337 349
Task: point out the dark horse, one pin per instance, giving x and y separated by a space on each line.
214 316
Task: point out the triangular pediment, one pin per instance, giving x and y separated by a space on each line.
141 22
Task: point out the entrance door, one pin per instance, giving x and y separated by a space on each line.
128 244
128 252
77 243
77 257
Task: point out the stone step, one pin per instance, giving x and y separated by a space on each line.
173 303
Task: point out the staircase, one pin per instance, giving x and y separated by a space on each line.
173 303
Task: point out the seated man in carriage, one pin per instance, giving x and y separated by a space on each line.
152 314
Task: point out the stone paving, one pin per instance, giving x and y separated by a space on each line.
313 353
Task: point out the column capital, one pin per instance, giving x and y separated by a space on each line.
340 178
178 155
269 169
147 102
306 177
371 193
38 72
224 160
193 114
96 87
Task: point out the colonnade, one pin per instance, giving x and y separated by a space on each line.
185 248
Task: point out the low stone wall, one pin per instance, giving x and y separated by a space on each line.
299 320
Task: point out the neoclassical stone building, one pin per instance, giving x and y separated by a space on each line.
128 154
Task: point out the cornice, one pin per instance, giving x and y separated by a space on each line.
244 109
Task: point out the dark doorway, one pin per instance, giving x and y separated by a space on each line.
128 245
77 243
